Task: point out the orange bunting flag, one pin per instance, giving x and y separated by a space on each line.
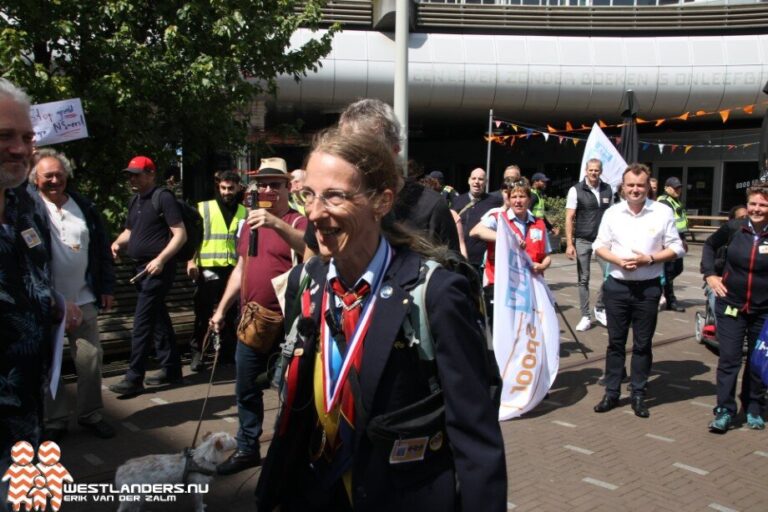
687 149
584 127
575 142
551 130
702 113
640 120
749 109
683 117
568 126
660 122
601 124
724 115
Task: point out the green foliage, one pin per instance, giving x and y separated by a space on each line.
154 75
555 207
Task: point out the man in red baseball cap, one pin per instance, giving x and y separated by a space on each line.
154 232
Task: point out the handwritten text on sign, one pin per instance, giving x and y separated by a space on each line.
58 121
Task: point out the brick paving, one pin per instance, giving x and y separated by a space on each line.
561 456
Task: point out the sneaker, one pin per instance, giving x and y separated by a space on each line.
584 324
721 423
755 421
600 316
127 388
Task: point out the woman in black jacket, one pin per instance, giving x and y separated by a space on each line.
741 307
366 422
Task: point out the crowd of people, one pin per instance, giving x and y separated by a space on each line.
328 257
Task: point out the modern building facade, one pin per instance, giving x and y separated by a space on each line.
697 70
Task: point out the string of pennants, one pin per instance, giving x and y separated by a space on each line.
570 132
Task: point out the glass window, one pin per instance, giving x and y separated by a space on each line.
737 177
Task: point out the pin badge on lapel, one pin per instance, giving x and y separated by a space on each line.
386 292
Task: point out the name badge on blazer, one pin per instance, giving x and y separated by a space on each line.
536 235
606 200
408 450
31 238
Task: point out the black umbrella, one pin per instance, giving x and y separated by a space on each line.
762 152
629 145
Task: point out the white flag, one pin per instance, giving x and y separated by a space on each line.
599 146
526 334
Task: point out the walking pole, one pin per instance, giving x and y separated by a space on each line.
581 345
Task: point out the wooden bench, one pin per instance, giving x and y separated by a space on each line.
115 327
704 224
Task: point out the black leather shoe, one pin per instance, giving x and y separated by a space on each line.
638 405
127 388
675 306
238 462
100 429
606 404
196 364
160 378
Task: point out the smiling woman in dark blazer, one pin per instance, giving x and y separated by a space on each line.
356 378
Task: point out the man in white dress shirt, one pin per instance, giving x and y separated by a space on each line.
636 237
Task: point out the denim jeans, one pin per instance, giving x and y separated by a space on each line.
249 364
583 259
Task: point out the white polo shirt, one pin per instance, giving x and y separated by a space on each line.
622 232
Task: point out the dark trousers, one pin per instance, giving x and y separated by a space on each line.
730 335
249 364
207 296
152 325
488 297
672 269
635 304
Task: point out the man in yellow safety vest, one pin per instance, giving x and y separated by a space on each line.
673 189
212 265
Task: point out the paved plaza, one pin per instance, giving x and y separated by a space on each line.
561 456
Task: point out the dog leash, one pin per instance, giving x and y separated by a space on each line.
210 334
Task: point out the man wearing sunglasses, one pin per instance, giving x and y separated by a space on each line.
277 232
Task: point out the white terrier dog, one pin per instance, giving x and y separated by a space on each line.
171 469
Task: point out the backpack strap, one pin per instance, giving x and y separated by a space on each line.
416 324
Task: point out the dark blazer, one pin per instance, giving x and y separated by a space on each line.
390 379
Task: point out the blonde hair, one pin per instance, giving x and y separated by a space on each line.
379 170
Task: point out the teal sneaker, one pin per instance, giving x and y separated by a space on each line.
722 422
755 421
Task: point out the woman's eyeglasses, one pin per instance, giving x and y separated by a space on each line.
329 198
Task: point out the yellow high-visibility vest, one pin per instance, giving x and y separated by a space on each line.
219 240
